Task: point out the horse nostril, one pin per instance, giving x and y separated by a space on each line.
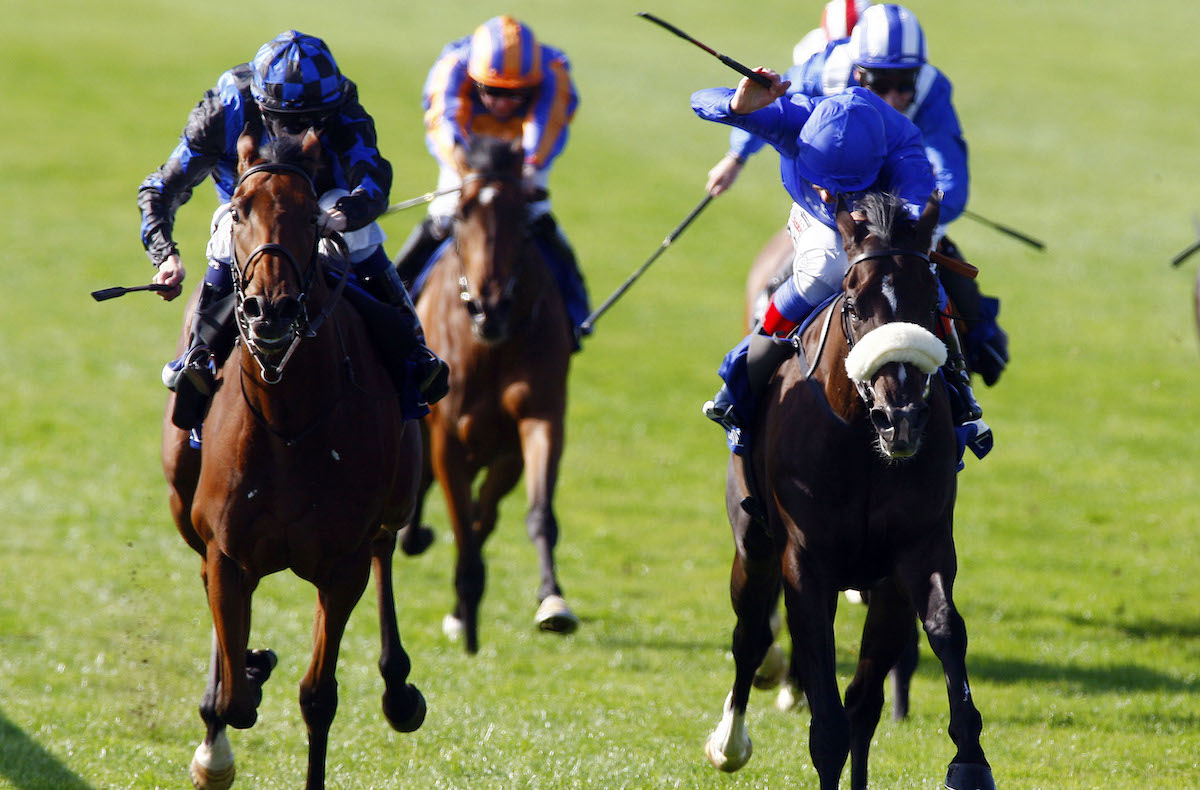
288 309
253 307
881 420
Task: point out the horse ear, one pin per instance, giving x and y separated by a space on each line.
929 216
845 222
310 146
246 146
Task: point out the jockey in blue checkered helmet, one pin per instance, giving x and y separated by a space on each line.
887 49
296 82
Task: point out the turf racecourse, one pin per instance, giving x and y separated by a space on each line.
1078 537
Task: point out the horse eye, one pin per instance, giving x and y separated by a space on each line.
234 215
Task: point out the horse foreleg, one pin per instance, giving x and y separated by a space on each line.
903 671
455 475
336 598
403 704
810 610
754 583
931 592
541 450
229 592
416 537
886 632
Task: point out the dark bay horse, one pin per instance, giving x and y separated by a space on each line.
306 463
491 309
855 456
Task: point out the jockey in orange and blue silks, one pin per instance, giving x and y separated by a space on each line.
292 86
501 82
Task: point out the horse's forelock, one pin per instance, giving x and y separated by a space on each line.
493 155
282 151
884 214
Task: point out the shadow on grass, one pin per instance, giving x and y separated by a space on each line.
28 766
1115 678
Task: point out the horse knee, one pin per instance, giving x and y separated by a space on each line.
318 705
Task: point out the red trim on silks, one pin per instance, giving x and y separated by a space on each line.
774 322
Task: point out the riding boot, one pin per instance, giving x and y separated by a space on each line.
963 406
394 325
570 280
763 357
986 344
418 247
193 376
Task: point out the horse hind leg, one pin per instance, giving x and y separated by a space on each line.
212 766
403 704
754 589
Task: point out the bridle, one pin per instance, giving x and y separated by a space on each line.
471 302
861 386
300 326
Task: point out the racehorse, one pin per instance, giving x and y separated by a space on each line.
305 457
491 309
851 474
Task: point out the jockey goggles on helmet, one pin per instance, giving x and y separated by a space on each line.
884 81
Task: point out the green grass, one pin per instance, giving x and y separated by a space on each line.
1078 536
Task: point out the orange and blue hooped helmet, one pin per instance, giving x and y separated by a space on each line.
505 54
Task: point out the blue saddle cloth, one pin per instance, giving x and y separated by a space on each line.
570 284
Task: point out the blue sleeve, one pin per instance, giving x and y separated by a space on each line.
745 144
945 148
778 123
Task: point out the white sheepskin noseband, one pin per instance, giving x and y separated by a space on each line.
895 342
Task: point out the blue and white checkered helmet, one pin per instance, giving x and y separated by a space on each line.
296 73
887 36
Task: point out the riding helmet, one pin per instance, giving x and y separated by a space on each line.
505 54
294 72
888 37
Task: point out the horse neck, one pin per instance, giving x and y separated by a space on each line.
829 370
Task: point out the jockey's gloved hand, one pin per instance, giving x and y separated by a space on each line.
331 221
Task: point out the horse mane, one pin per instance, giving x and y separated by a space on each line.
282 151
885 213
493 155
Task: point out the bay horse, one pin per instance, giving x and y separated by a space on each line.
854 455
492 310
311 471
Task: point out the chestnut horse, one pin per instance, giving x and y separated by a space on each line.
854 456
306 463
491 309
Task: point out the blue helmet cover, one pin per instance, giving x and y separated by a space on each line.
294 72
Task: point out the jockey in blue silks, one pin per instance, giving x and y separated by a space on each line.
886 53
844 144
501 82
292 85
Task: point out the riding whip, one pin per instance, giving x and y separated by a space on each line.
428 197
586 327
728 61
1032 242
1183 256
116 290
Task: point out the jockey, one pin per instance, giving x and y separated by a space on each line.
838 18
844 144
292 85
499 81
886 53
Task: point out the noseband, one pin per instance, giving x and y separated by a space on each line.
469 300
300 326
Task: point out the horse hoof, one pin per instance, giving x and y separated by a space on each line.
789 698
414 710
415 539
772 669
453 628
212 765
554 615
728 747
969 776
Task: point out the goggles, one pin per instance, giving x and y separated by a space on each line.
884 81
503 93
295 122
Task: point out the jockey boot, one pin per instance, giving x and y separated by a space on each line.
545 229
963 406
192 377
418 247
394 325
763 357
986 344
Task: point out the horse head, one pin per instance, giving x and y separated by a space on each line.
489 234
889 314
274 211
